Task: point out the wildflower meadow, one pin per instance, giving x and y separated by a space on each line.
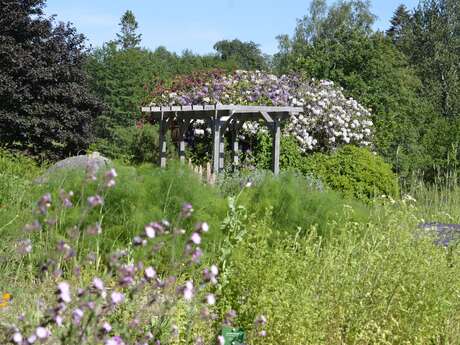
229 196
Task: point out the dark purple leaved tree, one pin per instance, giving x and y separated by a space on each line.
45 107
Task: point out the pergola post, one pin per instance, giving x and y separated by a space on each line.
216 143
235 150
162 141
221 153
182 129
276 130
235 143
182 151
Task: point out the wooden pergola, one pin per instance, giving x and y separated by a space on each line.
220 118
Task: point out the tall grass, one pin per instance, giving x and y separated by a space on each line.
385 286
321 269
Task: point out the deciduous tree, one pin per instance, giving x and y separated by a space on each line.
45 106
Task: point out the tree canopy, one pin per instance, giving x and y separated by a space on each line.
338 43
247 55
45 106
128 37
431 41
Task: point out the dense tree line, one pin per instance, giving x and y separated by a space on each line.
408 75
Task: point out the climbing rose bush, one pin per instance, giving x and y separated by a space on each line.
329 119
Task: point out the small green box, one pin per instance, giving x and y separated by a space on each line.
233 336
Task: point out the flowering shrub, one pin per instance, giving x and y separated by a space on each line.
328 121
127 301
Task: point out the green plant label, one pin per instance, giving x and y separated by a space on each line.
233 336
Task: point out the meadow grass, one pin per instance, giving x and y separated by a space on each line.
323 270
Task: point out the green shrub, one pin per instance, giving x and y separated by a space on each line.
295 201
131 144
290 155
355 172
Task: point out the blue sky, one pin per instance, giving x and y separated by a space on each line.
198 24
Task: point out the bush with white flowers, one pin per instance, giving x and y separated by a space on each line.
329 119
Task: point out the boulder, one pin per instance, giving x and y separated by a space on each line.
93 161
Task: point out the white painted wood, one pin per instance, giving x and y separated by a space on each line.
183 128
223 107
216 143
266 117
182 151
162 143
235 151
276 147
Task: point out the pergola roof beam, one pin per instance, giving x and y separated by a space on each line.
221 107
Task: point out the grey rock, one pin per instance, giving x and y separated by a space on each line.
93 162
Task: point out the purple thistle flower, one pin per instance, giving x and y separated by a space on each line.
117 340
106 327
95 200
202 227
196 255
117 298
17 338
24 246
110 178
42 333
65 198
63 292
95 229
195 238
150 273
139 241
98 284
229 317
186 210
32 339
210 275
58 320
150 231
91 305
34 226
210 299
44 203
77 315
188 290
